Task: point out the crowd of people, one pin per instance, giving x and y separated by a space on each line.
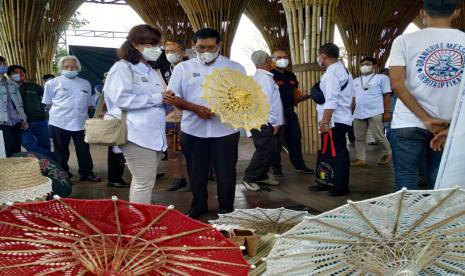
167 115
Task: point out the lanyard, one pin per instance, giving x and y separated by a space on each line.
365 87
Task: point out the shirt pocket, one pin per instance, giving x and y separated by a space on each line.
83 98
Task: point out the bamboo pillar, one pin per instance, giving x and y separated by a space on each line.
310 24
221 15
167 16
20 23
270 19
57 14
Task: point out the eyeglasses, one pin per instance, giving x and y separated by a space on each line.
202 48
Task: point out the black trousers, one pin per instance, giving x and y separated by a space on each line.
61 139
223 153
292 136
12 138
259 165
115 164
340 142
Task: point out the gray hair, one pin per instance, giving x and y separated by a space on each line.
260 57
63 59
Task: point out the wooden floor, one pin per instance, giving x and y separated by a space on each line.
293 192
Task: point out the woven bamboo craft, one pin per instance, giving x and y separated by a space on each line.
111 237
405 233
263 221
236 98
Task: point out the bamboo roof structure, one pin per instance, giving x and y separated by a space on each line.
221 15
270 19
19 34
57 14
167 16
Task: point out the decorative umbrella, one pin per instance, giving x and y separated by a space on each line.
405 233
111 237
264 221
236 98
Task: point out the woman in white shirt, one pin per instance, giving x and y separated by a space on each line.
133 86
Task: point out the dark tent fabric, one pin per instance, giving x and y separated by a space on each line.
95 61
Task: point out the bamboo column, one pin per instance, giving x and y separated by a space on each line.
270 18
166 15
368 27
56 16
221 15
20 23
310 25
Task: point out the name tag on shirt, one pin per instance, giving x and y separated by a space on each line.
144 79
84 91
195 75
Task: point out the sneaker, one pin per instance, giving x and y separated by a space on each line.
251 186
385 160
358 163
278 174
269 181
305 170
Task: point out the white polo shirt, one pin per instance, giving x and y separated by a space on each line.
70 100
137 89
369 103
186 81
271 89
340 101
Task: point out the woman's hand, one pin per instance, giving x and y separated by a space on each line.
437 144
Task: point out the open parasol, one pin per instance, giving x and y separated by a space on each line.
263 221
236 98
111 237
405 233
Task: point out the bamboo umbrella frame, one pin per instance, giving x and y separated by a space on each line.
221 15
310 24
20 24
57 14
166 15
270 18
368 27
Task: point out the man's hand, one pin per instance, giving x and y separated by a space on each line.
387 117
435 125
24 125
304 97
203 112
275 130
324 128
170 98
437 144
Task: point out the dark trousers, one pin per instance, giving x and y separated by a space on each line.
223 153
37 138
115 164
259 165
61 139
341 180
11 138
292 135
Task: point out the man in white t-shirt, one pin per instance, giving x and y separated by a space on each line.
372 108
426 68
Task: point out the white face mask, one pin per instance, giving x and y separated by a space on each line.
69 74
15 77
173 58
282 63
152 54
365 69
207 57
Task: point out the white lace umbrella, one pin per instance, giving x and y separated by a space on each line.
236 98
405 233
263 221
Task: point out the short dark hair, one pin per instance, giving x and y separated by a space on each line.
48 76
440 8
384 71
14 67
374 61
140 34
329 49
206 33
2 59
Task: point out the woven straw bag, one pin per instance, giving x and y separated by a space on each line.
110 132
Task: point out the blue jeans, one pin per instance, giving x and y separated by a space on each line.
409 147
37 138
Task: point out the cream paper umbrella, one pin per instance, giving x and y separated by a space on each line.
236 98
404 233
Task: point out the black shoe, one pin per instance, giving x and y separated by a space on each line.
337 194
319 188
195 214
91 177
119 184
165 156
160 175
305 170
177 184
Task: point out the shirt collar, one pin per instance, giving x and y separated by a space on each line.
261 71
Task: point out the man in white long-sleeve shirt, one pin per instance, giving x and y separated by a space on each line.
263 139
